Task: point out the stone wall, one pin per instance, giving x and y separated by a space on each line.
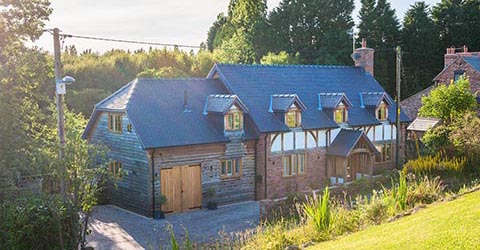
132 190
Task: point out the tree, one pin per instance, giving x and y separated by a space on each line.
212 38
458 22
242 33
319 30
379 25
422 58
280 58
449 102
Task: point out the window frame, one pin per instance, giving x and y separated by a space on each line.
115 168
294 167
385 150
115 123
383 106
297 117
233 163
344 111
457 74
230 122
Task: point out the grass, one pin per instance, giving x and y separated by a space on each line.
449 225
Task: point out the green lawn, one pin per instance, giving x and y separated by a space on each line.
450 225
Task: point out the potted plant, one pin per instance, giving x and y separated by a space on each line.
162 200
211 193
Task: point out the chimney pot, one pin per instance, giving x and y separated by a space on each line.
364 43
465 49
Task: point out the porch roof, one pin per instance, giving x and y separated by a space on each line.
346 141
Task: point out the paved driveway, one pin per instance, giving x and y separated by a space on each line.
115 228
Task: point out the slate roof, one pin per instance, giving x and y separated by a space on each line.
423 124
373 99
222 103
282 102
345 142
474 61
332 100
160 119
118 100
255 84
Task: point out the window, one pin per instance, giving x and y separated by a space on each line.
382 112
457 74
385 153
231 168
115 123
293 164
293 118
341 114
115 169
234 120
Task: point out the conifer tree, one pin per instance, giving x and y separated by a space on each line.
319 30
380 26
422 59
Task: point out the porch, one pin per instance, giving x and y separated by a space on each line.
350 157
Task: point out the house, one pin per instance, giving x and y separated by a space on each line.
245 132
458 62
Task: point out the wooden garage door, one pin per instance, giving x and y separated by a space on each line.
182 186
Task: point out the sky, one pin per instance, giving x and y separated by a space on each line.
161 21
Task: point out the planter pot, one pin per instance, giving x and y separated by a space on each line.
212 205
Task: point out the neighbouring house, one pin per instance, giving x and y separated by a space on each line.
458 62
245 132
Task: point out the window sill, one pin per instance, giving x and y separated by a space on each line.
231 178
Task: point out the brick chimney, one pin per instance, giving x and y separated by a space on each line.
364 57
454 53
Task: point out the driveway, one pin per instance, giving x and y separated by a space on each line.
115 228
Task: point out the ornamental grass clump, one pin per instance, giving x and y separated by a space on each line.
318 211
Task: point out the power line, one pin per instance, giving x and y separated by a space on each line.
130 41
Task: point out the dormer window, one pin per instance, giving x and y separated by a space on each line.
234 119
341 113
293 117
382 111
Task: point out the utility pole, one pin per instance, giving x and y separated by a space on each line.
60 92
399 129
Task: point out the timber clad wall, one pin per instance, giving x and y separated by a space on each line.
209 158
132 190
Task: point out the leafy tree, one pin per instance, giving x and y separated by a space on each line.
458 22
379 25
165 72
280 58
241 34
448 102
214 30
320 30
422 59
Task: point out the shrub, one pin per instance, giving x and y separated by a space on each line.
424 191
318 211
435 165
373 210
37 222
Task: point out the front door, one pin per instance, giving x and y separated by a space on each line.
359 165
182 186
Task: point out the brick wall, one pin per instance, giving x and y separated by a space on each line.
447 75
